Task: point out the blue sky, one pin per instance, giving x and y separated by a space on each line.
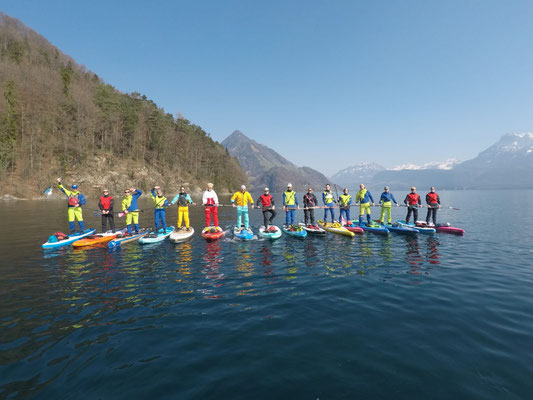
325 83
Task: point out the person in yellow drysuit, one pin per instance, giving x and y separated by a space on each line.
183 199
75 201
131 208
242 198
364 198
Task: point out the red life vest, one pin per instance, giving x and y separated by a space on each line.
73 201
60 235
433 197
266 200
106 202
412 198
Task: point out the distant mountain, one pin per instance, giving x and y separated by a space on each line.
506 164
376 174
445 165
356 174
265 167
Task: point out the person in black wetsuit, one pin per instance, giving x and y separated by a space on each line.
310 202
266 203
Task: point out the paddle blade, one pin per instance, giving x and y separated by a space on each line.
48 191
121 214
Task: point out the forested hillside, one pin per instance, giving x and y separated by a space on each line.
59 119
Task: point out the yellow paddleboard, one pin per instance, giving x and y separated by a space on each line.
335 228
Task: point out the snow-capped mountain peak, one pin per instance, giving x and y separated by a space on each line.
445 165
513 142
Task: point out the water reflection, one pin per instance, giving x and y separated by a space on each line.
433 254
211 270
417 258
245 266
385 249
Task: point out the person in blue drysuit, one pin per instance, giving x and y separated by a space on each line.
386 204
329 203
160 202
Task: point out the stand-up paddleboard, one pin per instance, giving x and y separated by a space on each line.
443 228
421 229
273 232
53 242
243 234
212 233
447 228
372 227
179 236
127 238
294 230
335 228
156 236
400 228
352 227
313 229
97 239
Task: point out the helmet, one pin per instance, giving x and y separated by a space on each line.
74 186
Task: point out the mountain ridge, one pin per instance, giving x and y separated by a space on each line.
507 163
267 168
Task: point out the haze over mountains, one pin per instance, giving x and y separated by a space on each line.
506 164
265 167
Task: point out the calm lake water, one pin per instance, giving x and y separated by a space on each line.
398 317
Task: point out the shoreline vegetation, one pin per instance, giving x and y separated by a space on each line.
57 118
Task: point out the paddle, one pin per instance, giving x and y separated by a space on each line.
48 191
447 207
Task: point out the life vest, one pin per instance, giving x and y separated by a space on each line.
290 198
210 201
60 235
106 202
412 198
74 199
159 202
433 198
182 200
266 200
126 202
345 199
361 194
328 196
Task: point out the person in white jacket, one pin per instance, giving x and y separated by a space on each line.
210 202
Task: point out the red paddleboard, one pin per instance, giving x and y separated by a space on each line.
354 229
212 233
450 229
